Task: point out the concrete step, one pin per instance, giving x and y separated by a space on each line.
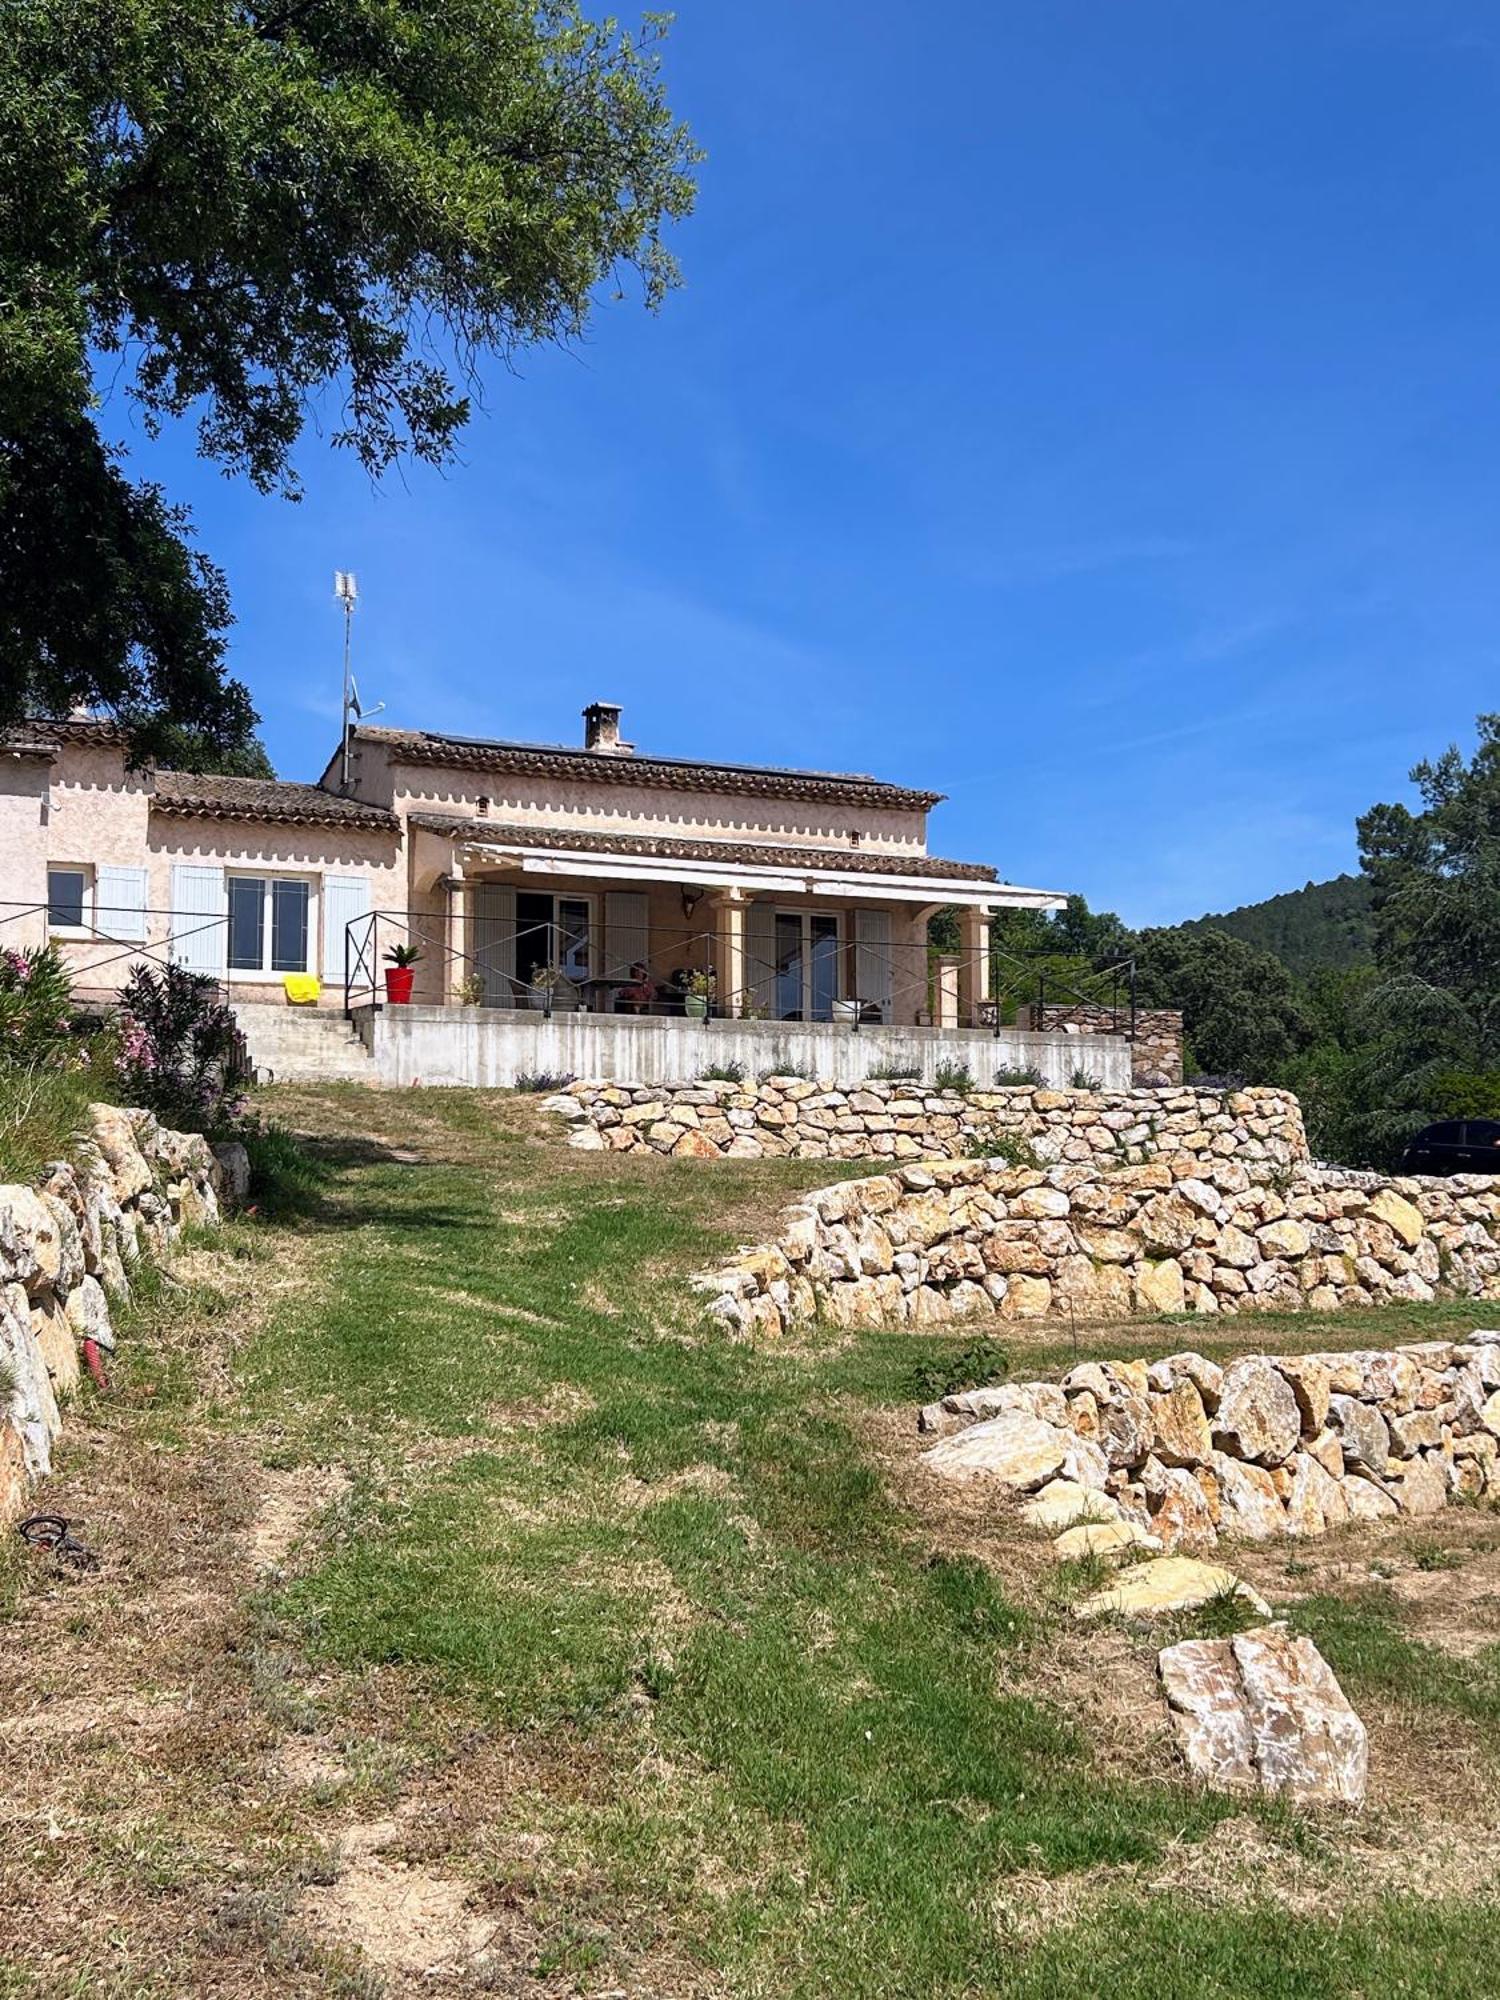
302 1045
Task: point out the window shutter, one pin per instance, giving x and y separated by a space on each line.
872 959
199 919
120 903
627 936
494 945
346 898
760 958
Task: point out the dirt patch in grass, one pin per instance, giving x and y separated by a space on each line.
289 1505
400 1918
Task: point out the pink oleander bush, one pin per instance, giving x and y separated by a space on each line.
36 1010
180 1052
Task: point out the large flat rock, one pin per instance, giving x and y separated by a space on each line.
1167 1583
1263 1711
1013 1449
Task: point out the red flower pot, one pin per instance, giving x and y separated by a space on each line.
398 981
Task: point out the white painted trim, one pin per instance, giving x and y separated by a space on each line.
764 881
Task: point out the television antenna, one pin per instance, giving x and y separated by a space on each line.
346 590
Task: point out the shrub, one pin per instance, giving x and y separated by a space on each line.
181 1054
1083 1079
541 1082
896 1072
787 1068
36 1010
976 1365
953 1076
725 1072
1008 1074
1007 1146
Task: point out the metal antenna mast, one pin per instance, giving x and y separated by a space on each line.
345 591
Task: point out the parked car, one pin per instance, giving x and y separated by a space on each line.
1457 1146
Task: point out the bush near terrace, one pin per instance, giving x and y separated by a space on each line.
172 1049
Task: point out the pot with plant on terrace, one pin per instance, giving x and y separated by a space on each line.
401 961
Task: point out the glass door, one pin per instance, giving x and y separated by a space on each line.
822 967
807 965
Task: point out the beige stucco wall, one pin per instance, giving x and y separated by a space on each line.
87 810
614 807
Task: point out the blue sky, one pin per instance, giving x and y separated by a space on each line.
1087 409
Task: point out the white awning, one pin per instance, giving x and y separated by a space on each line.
759 880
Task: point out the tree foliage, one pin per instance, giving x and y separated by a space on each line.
227 209
1324 926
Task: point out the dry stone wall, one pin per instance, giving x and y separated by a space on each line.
925 1245
1155 1040
788 1116
1126 1454
67 1247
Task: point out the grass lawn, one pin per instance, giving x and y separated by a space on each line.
466 1604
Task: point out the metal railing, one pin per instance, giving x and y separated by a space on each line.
547 967
136 951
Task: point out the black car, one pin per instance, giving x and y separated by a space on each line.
1458 1146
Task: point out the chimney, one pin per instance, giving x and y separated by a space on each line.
601 730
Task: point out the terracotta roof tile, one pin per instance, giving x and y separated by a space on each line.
549 760
185 796
838 860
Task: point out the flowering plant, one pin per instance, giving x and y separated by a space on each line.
36 1010
181 1052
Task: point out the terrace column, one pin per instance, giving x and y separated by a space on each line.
456 937
974 966
729 950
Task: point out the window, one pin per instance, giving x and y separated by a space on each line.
67 898
554 932
268 911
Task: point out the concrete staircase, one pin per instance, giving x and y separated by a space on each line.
302 1044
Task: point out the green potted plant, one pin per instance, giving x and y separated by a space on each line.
698 990
544 984
399 975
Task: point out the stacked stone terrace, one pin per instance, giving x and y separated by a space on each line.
786 1116
67 1248
931 1244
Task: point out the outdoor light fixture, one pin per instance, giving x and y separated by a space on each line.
690 900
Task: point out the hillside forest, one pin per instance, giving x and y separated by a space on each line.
1376 997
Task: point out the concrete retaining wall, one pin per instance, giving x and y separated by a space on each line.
492 1047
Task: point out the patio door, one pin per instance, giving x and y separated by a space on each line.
808 965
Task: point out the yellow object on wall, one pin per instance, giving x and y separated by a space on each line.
302 988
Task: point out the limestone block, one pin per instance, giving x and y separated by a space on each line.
1180 1427
1102 1538
1013 1449
1165 1584
1363 1433
1062 1503
1159 1288
1263 1711
1248 1501
1257 1418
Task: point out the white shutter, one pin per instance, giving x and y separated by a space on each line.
494 944
199 919
627 938
872 959
346 898
760 958
120 903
